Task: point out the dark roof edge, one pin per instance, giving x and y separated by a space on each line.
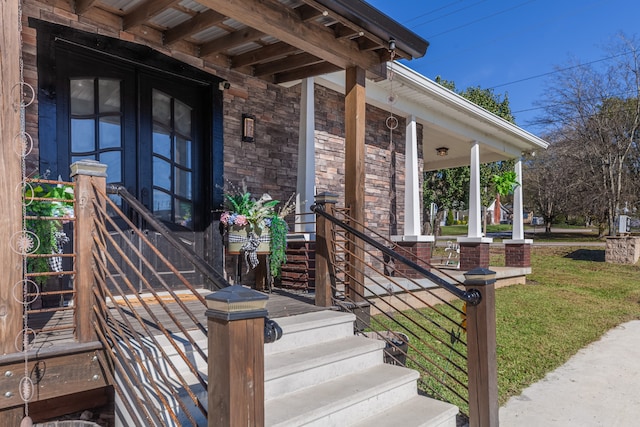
371 19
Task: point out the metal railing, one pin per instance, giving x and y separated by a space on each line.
49 216
421 316
152 323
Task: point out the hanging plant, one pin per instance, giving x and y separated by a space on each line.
505 183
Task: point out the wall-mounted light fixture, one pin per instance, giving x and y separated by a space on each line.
442 151
248 128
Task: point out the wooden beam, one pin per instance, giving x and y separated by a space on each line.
355 126
53 377
287 64
272 18
83 5
303 73
230 41
192 26
11 166
146 11
360 30
264 54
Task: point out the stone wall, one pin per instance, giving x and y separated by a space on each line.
622 250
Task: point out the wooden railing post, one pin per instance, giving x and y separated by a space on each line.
481 345
85 174
236 357
324 250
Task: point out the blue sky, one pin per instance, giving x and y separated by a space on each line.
506 45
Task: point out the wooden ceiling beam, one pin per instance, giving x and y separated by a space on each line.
272 18
201 21
264 54
145 12
308 13
359 30
303 73
286 64
230 41
83 5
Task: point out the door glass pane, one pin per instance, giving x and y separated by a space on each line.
161 108
183 152
82 96
182 118
161 174
108 96
114 165
83 135
184 213
110 132
162 205
183 183
161 141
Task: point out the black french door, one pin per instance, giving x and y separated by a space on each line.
153 131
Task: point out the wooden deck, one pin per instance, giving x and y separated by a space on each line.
281 303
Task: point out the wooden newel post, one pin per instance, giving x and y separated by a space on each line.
481 343
324 250
86 174
236 357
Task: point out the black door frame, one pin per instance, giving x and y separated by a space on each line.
53 38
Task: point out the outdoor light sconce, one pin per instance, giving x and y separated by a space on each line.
442 151
248 128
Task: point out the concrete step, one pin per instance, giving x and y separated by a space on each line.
344 400
310 329
419 411
292 370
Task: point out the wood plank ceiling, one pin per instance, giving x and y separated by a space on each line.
275 40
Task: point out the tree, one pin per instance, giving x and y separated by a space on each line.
597 112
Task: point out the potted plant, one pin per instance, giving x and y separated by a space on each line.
254 226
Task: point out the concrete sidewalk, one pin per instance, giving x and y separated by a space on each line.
599 386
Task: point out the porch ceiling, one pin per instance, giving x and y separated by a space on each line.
275 40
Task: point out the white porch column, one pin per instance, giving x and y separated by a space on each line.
518 222
306 159
412 225
475 209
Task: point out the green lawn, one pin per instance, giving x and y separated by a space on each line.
570 300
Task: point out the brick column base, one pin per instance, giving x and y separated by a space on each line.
420 253
517 255
473 255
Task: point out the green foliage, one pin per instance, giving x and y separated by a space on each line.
505 182
46 230
450 220
278 251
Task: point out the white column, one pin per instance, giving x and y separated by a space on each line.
412 225
518 226
475 208
474 233
306 159
517 234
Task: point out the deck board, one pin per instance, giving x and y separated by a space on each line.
281 303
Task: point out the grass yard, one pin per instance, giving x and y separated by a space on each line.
571 299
